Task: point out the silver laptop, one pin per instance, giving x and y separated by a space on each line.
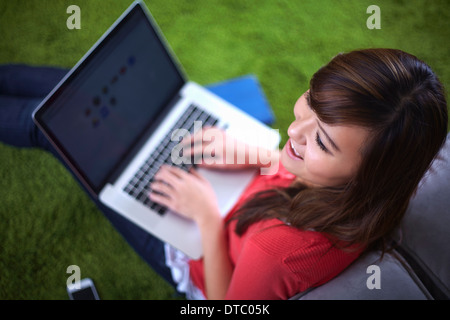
112 118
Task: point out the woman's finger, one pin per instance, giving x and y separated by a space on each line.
197 137
162 187
162 200
192 138
170 174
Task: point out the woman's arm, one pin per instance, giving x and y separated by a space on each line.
192 196
216 262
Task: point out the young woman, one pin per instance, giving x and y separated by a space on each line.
362 137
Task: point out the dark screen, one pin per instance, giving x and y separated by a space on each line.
83 294
100 111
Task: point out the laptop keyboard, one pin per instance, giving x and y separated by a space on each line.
139 185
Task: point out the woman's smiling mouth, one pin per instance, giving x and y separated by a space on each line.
292 152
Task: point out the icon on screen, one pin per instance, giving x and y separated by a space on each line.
104 101
104 112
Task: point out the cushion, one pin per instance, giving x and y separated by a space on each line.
425 230
395 281
245 93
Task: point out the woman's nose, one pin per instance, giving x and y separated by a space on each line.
297 131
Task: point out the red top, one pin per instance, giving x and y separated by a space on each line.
277 262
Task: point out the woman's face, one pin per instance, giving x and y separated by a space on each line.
320 154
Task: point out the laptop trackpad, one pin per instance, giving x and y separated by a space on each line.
228 185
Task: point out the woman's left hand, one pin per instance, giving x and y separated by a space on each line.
187 193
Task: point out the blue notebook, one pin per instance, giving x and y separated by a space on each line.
245 93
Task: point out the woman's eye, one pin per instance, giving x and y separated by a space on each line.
320 143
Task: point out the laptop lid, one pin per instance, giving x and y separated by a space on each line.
112 98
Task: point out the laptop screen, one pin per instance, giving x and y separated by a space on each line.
109 101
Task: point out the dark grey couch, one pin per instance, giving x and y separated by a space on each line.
420 267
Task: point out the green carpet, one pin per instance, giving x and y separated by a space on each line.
48 223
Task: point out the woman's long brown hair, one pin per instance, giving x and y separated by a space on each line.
402 102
